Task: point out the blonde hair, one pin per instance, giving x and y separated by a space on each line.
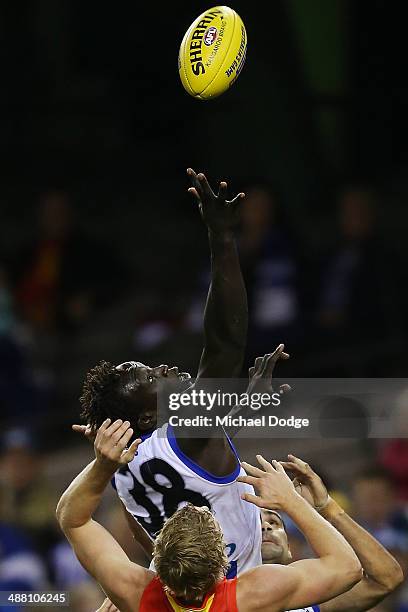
189 553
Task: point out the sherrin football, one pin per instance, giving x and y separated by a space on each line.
212 53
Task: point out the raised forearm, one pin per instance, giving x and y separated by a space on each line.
324 539
378 564
226 312
81 499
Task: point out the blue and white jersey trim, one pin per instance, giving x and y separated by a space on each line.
194 467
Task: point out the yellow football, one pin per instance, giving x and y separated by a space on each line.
212 53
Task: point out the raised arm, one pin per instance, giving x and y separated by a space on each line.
382 573
303 583
96 549
226 311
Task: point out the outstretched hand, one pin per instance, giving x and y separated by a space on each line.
273 487
261 373
218 213
111 442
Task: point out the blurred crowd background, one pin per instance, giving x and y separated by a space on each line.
103 254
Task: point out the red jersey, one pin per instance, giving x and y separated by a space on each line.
222 599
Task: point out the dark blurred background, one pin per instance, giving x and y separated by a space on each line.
103 253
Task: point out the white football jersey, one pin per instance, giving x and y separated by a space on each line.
161 479
310 609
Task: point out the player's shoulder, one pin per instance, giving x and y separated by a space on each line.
153 438
134 582
263 588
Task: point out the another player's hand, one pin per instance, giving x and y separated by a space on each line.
274 489
111 442
307 483
218 213
108 606
261 373
85 430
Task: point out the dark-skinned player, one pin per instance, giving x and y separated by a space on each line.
170 469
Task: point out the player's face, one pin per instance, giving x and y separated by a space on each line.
275 546
140 384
